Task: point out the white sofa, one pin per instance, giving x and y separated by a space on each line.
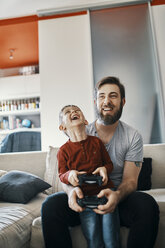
20 224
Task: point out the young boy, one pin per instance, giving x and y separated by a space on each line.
87 154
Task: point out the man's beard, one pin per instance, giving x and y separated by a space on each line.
110 119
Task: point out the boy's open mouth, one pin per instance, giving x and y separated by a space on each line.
74 117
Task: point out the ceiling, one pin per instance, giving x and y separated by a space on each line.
16 8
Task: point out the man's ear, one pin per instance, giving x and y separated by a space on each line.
123 101
86 122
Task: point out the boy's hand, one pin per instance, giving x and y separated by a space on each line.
102 171
73 179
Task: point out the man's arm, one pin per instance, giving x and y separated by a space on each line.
73 193
127 186
130 179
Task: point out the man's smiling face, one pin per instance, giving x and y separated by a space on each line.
109 104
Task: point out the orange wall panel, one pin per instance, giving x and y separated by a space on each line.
20 34
157 2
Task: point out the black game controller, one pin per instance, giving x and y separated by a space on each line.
90 179
91 201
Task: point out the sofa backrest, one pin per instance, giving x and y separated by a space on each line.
157 153
35 162
32 162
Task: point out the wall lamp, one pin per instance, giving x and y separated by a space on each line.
11 56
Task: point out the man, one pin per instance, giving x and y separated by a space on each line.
137 210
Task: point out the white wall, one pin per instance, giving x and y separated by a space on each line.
19 86
159 25
65 72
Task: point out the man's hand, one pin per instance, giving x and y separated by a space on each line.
72 199
102 171
73 179
113 200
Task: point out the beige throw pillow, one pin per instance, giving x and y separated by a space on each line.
51 173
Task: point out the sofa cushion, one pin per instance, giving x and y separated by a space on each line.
159 196
157 153
16 220
78 239
144 180
20 187
37 239
15 226
2 172
51 173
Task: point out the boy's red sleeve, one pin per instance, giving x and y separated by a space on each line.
106 158
63 169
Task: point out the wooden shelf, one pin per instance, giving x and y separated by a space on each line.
20 112
7 131
18 97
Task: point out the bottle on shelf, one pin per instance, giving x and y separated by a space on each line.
33 104
30 103
37 103
19 105
12 105
16 105
22 105
26 104
6 106
3 106
9 105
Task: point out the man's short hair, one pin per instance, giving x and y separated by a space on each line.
110 80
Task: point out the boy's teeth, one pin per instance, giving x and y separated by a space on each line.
75 117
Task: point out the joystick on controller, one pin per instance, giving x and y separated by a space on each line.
90 179
91 201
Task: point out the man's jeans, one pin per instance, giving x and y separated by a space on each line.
139 211
101 230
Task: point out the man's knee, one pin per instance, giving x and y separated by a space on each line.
151 210
147 205
140 206
54 202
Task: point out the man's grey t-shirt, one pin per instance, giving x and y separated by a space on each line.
125 145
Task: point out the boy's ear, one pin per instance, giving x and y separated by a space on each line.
86 122
62 128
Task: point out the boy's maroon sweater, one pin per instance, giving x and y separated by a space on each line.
86 155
